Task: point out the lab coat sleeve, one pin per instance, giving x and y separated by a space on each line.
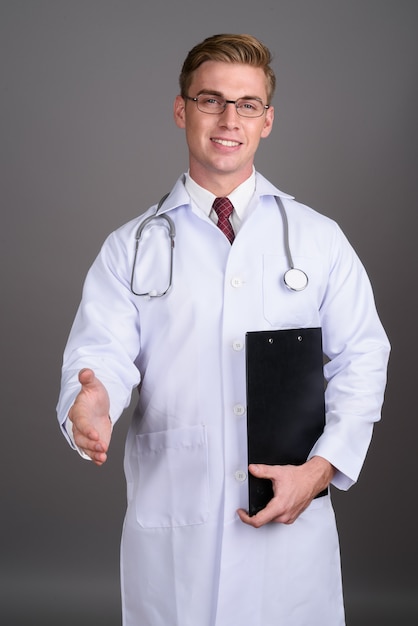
105 334
357 348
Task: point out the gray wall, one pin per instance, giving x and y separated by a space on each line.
87 142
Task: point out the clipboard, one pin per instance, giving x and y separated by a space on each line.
285 401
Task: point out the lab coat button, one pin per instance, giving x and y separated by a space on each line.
240 476
236 281
237 345
239 409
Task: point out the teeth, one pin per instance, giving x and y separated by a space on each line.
229 144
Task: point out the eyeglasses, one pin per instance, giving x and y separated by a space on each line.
215 105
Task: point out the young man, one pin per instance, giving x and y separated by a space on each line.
191 555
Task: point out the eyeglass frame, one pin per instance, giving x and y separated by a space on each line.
234 102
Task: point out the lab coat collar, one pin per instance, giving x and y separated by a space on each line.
178 196
263 187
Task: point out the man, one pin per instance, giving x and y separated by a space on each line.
191 555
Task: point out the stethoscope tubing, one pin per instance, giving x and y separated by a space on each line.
138 235
295 279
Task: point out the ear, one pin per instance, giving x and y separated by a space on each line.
268 122
180 112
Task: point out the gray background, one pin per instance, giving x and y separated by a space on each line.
88 142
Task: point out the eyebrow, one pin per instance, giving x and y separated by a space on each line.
213 92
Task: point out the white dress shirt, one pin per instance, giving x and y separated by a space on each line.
240 197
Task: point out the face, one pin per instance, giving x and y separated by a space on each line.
222 147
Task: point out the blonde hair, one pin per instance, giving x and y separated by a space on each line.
228 48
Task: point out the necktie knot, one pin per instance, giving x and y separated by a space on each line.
223 208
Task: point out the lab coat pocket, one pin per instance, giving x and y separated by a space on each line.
173 485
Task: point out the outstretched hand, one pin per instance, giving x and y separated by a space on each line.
89 415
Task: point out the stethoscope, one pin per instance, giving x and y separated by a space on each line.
169 224
295 279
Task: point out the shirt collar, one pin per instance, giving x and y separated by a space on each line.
179 196
240 197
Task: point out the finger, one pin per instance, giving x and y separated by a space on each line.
94 450
99 458
244 517
82 427
258 520
85 435
263 517
96 457
272 512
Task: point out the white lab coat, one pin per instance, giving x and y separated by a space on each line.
186 558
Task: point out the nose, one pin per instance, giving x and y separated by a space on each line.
229 116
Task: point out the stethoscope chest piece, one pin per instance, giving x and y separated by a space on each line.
295 279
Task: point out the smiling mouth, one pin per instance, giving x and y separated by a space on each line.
226 142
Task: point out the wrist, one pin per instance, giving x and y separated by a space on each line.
321 473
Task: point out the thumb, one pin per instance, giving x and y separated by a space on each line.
86 377
260 471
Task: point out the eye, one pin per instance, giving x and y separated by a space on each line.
249 105
210 100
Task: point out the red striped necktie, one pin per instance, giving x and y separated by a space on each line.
223 208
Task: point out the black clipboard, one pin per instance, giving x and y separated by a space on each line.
285 401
